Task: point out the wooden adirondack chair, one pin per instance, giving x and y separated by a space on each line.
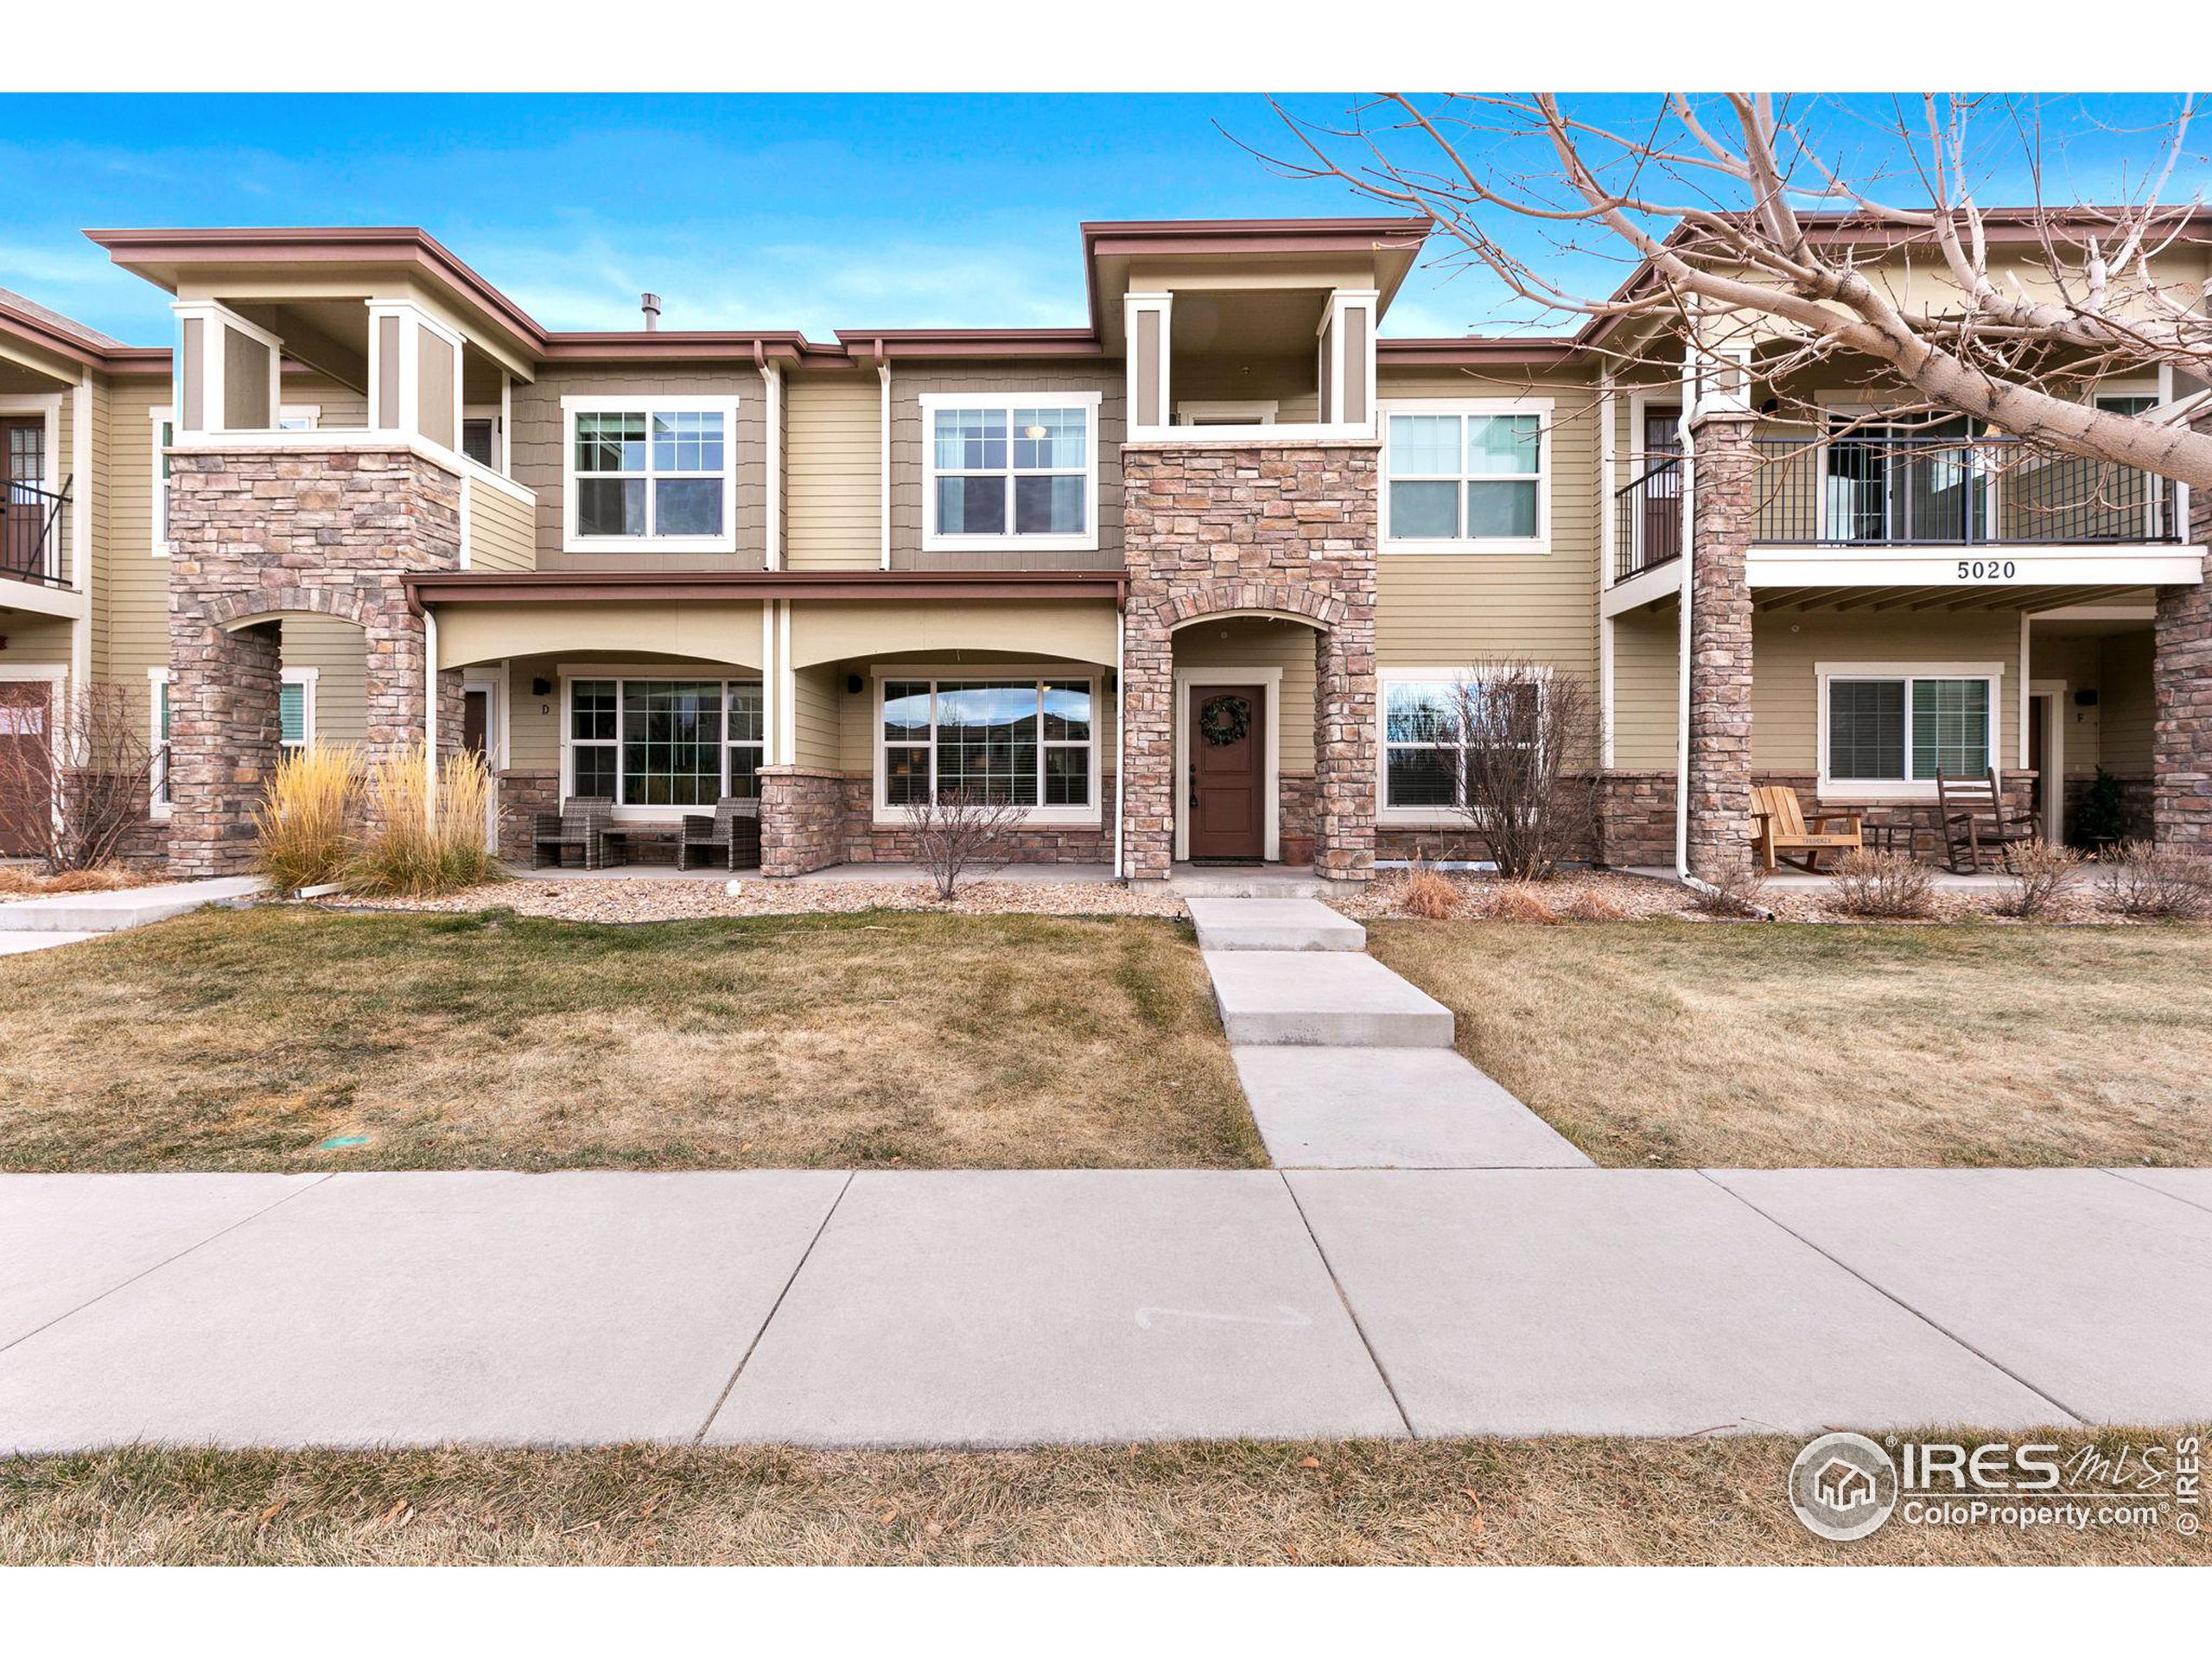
1781 829
1975 819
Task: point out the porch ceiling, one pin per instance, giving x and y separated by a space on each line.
2010 597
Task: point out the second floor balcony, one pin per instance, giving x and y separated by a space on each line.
1874 493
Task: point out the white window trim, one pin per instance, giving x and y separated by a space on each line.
1414 817
1086 401
575 405
1897 789
157 486
157 680
1244 412
1513 545
311 413
1270 679
621 674
887 816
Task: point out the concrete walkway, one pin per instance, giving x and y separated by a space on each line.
1345 1063
979 1308
58 918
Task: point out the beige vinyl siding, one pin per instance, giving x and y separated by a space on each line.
1449 610
501 531
533 722
816 734
907 463
131 627
338 408
1785 698
2129 706
2078 661
834 473
338 651
1255 642
1647 690
34 641
537 436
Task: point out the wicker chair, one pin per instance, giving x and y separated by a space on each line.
731 837
584 822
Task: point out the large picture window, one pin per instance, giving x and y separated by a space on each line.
1010 472
664 743
652 475
1904 729
1465 476
1030 741
1425 737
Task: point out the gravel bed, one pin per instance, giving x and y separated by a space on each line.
676 901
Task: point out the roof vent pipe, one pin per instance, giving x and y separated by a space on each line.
650 304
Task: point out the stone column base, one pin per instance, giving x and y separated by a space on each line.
802 819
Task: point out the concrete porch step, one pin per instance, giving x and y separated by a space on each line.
111 913
1273 924
1328 999
1300 883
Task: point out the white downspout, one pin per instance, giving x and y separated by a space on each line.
1608 555
430 716
772 374
1682 655
81 506
883 496
1120 736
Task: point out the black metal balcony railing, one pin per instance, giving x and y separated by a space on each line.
34 531
1880 491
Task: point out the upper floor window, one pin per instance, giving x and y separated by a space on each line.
654 475
1466 475
164 427
1002 471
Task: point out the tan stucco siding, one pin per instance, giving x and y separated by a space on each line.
907 474
719 633
1646 691
834 473
1257 642
1785 699
1448 610
537 436
838 631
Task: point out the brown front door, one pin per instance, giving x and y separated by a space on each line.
23 510
476 723
26 782
1661 529
1228 748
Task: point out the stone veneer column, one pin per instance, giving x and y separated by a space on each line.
802 819
1723 480
259 534
2181 681
1228 528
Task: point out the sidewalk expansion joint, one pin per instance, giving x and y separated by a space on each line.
1351 1312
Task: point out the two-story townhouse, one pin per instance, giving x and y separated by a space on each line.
1191 582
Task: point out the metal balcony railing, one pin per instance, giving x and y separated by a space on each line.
33 532
1648 515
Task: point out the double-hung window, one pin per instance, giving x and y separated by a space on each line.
1464 475
1010 472
164 435
1426 716
664 743
652 475
1898 728
1032 741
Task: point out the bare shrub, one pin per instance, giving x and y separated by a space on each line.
1520 902
304 827
1429 895
2153 883
2045 873
1887 886
960 834
1736 892
413 851
1589 905
1529 743
86 756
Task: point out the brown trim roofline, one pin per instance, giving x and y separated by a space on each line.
603 586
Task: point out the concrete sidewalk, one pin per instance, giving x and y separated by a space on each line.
991 1308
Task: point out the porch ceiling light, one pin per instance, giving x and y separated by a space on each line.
1033 432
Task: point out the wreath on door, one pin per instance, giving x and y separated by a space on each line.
1224 720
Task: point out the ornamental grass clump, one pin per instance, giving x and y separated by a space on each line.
411 850
1736 892
304 827
1429 895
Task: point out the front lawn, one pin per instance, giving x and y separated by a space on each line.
1648 1502
247 1040
1781 1045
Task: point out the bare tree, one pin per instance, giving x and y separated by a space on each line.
82 770
1529 742
1747 216
962 833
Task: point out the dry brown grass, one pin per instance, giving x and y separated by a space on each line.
17 882
303 833
1429 895
1782 1045
1520 902
242 1040
1430 1502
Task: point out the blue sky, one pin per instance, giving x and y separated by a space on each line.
745 211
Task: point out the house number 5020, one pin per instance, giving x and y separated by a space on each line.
1987 569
